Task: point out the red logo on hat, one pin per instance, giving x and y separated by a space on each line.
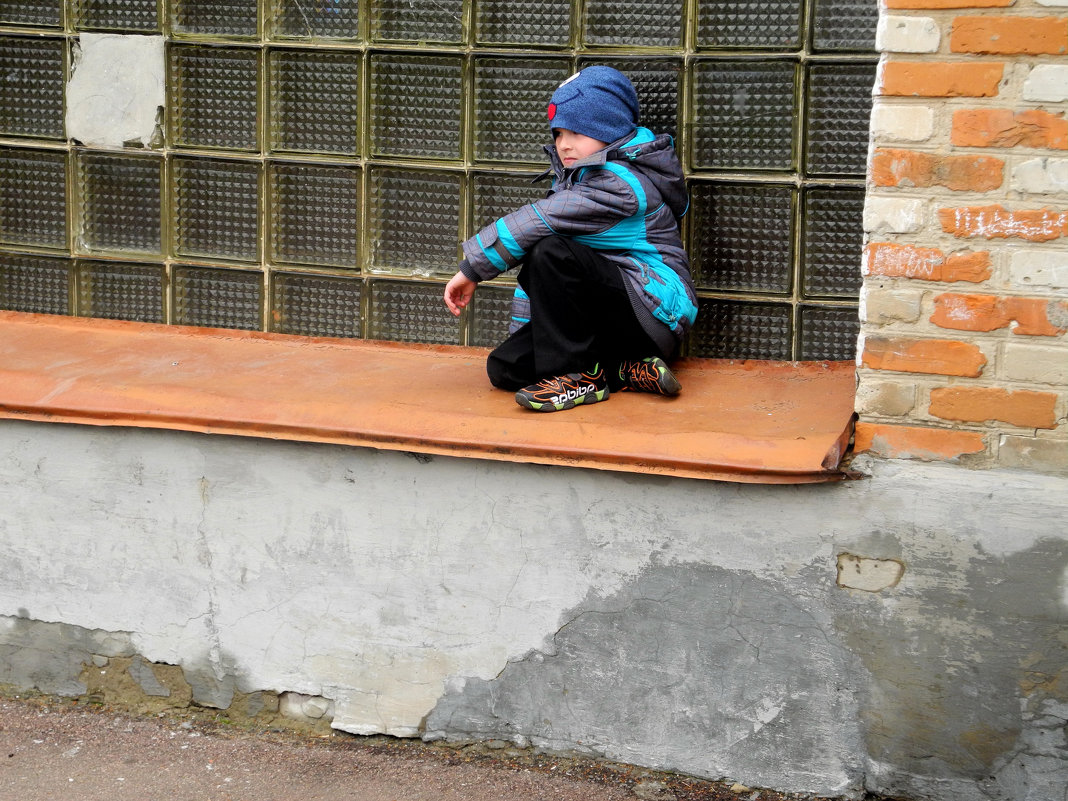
552 111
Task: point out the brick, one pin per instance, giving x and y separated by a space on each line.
893 215
916 442
880 306
1026 316
1030 453
1025 408
885 398
1002 127
902 167
1048 268
967 265
1042 176
969 173
1047 83
895 167
929 356
941 78
902 123
1036 364
996 222
926 264
921 4
1010 35
897 34
903 261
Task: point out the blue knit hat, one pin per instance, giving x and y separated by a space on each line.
596 101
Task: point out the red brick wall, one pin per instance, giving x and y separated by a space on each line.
964 353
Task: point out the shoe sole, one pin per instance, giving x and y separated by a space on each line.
668 384
589 397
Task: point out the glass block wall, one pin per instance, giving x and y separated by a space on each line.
321 160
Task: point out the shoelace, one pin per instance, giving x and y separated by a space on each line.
643 374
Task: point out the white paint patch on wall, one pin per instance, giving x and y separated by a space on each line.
1047 83
900 122
116 90
1041 176
1039 268
893 215
897 34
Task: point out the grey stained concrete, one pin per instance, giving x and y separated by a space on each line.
904 633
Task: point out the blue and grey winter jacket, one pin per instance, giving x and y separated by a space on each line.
625 201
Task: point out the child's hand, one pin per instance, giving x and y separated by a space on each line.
458 292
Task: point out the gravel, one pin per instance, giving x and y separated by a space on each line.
55 750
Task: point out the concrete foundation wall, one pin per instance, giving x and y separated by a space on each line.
904 633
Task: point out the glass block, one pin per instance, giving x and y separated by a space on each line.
416 106
727 329
404 311
495 194
414 217
214 298
641 23
417 20
316 305
526 22
327 19
120 203
33 197
491 315
839 114
35 284
40 13
656 80
315 214
833 240
742 237
130 15
218 17
511 95
31 86
214 96
744 115
217 208
121 291
845 25
314 101
749 23
829 334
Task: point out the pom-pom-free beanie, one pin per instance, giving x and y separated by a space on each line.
596 101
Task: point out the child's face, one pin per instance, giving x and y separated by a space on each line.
571 146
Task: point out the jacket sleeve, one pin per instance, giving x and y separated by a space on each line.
594 203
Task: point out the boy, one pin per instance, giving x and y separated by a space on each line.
605 294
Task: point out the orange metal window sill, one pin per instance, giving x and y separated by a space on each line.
750 421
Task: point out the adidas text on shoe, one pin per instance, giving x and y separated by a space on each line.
564 391
649 375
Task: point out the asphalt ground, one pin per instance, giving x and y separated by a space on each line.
56 750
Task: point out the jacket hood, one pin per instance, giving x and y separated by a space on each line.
653 155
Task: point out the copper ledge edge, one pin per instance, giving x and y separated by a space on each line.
744 474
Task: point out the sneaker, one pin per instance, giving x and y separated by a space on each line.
565 391
649 375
